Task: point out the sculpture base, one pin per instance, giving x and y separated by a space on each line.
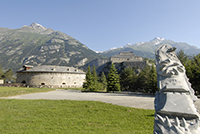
175 113
175 103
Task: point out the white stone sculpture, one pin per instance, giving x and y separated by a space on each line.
175 112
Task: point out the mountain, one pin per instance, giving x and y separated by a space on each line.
146 49
38 45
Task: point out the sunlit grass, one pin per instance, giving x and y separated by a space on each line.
11 91
72 117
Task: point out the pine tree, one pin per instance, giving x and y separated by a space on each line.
133 83
182 57
142 79
152 82
103 80
113 83
193 72
94 79
126 78
88 83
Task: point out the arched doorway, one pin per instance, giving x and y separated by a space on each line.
42 83
24 82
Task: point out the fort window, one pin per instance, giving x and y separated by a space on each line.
42 83
63 83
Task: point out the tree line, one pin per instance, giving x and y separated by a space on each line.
192 67
7 75
146 80
129 79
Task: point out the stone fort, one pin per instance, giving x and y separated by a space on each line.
51 76
128 59
122 60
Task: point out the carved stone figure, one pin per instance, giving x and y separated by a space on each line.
175 112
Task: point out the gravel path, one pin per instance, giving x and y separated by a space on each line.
135 100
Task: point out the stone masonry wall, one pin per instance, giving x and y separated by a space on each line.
51 79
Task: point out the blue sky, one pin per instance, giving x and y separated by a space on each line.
104 24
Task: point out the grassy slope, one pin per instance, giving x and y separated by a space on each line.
72 117
10 91
63 116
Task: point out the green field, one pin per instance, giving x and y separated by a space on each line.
11 91
70 117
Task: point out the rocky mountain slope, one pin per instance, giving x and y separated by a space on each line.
146 49
38 45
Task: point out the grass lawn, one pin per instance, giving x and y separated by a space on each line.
11 91
72 117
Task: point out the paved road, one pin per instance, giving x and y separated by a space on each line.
135 100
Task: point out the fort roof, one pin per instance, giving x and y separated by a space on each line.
125 55
50 69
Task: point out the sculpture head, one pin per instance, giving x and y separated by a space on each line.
168 65
170 71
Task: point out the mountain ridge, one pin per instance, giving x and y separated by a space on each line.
146 49
37 45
